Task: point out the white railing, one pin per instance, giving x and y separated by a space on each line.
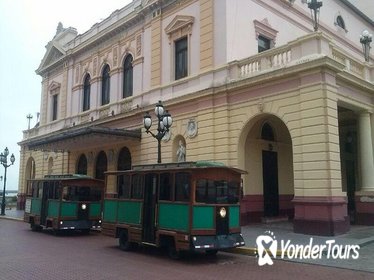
271 59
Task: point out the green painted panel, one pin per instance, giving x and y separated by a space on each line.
36 204
110 211
234 214
173 216
203 217
129 212
53 208
95 209
69 209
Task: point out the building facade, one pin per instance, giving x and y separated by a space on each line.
248 83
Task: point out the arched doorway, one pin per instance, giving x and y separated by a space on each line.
30 169
101 165
82 165
270 172
265 152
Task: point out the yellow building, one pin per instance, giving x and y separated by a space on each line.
248 83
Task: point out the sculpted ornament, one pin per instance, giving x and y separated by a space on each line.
191 128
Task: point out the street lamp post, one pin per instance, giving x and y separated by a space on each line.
365 39
314 6
164 122
4 162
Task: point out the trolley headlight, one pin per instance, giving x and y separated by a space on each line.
84 206
222 212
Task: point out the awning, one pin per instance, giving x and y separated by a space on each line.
74 139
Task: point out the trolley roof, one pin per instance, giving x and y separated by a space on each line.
65 177
178 166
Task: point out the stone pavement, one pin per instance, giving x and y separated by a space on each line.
283 231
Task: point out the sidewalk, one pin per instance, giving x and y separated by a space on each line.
283 231
13 214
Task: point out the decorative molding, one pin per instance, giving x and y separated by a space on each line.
115 56
54 86
191 129
260 105
126 106
179 26
264 28
138 45
137 61
95 66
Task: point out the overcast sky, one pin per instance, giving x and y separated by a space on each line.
26 26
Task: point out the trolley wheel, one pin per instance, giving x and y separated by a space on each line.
173 253
35 227
211 252
86 231
124 243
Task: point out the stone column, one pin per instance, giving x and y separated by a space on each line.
366 153
365 197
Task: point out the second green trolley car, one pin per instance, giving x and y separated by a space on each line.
191 206
64 202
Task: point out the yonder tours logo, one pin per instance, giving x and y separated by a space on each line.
268 246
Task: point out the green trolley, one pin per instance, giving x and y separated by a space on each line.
64 202
190 206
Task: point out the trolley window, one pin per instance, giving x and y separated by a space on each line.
75 193
219 191
52 189
165 186
182 186
137 186
124 187
40 190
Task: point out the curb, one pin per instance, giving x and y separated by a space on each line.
11 218
249 251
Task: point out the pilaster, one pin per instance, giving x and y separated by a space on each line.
156 51
206 34
320 204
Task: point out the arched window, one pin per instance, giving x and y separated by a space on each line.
124 163
267 132
82 165
30 169
124 159
105 85
86 93
127 77
101 165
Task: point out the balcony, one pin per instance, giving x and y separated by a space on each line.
302 50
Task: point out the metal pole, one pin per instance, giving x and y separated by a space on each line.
3 200
159 150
